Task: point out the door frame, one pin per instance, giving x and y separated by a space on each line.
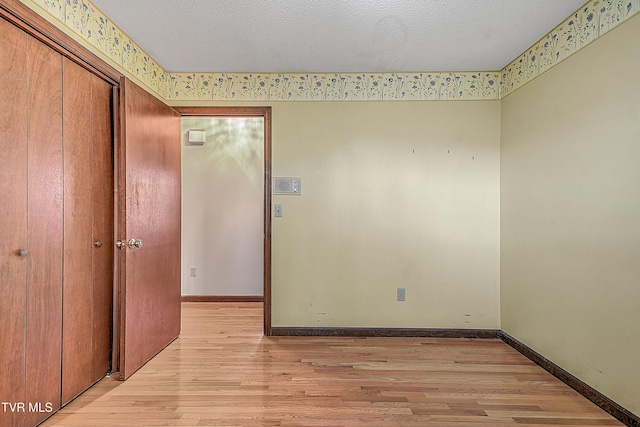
265 113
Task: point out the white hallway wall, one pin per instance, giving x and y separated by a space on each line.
222 207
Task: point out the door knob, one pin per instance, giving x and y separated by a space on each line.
23 253
97 243
134 243
120 244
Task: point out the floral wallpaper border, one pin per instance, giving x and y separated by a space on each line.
83 19
593 20
333 87
87 22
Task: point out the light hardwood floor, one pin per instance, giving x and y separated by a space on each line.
223 372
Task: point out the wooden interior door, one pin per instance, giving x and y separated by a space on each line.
13 211
149 207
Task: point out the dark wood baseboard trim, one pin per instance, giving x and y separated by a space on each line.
221 298
606 404
385 332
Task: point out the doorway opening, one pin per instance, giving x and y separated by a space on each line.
226 205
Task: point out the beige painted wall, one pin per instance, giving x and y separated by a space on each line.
393 195
570 214
223 207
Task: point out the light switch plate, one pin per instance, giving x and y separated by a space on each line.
278 211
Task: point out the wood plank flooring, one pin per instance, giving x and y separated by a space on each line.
223 372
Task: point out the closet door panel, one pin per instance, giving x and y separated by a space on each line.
13 211
103 217
77 329
44 270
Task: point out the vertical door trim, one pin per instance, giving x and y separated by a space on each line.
118 263
265 113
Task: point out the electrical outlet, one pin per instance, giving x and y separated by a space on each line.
192 271
400 294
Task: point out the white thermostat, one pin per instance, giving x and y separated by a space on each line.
197 137
287 185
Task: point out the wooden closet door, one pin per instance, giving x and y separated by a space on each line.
103 224
36 181
13 211
88 230
45 199
77 301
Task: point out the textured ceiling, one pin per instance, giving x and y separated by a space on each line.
262 36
